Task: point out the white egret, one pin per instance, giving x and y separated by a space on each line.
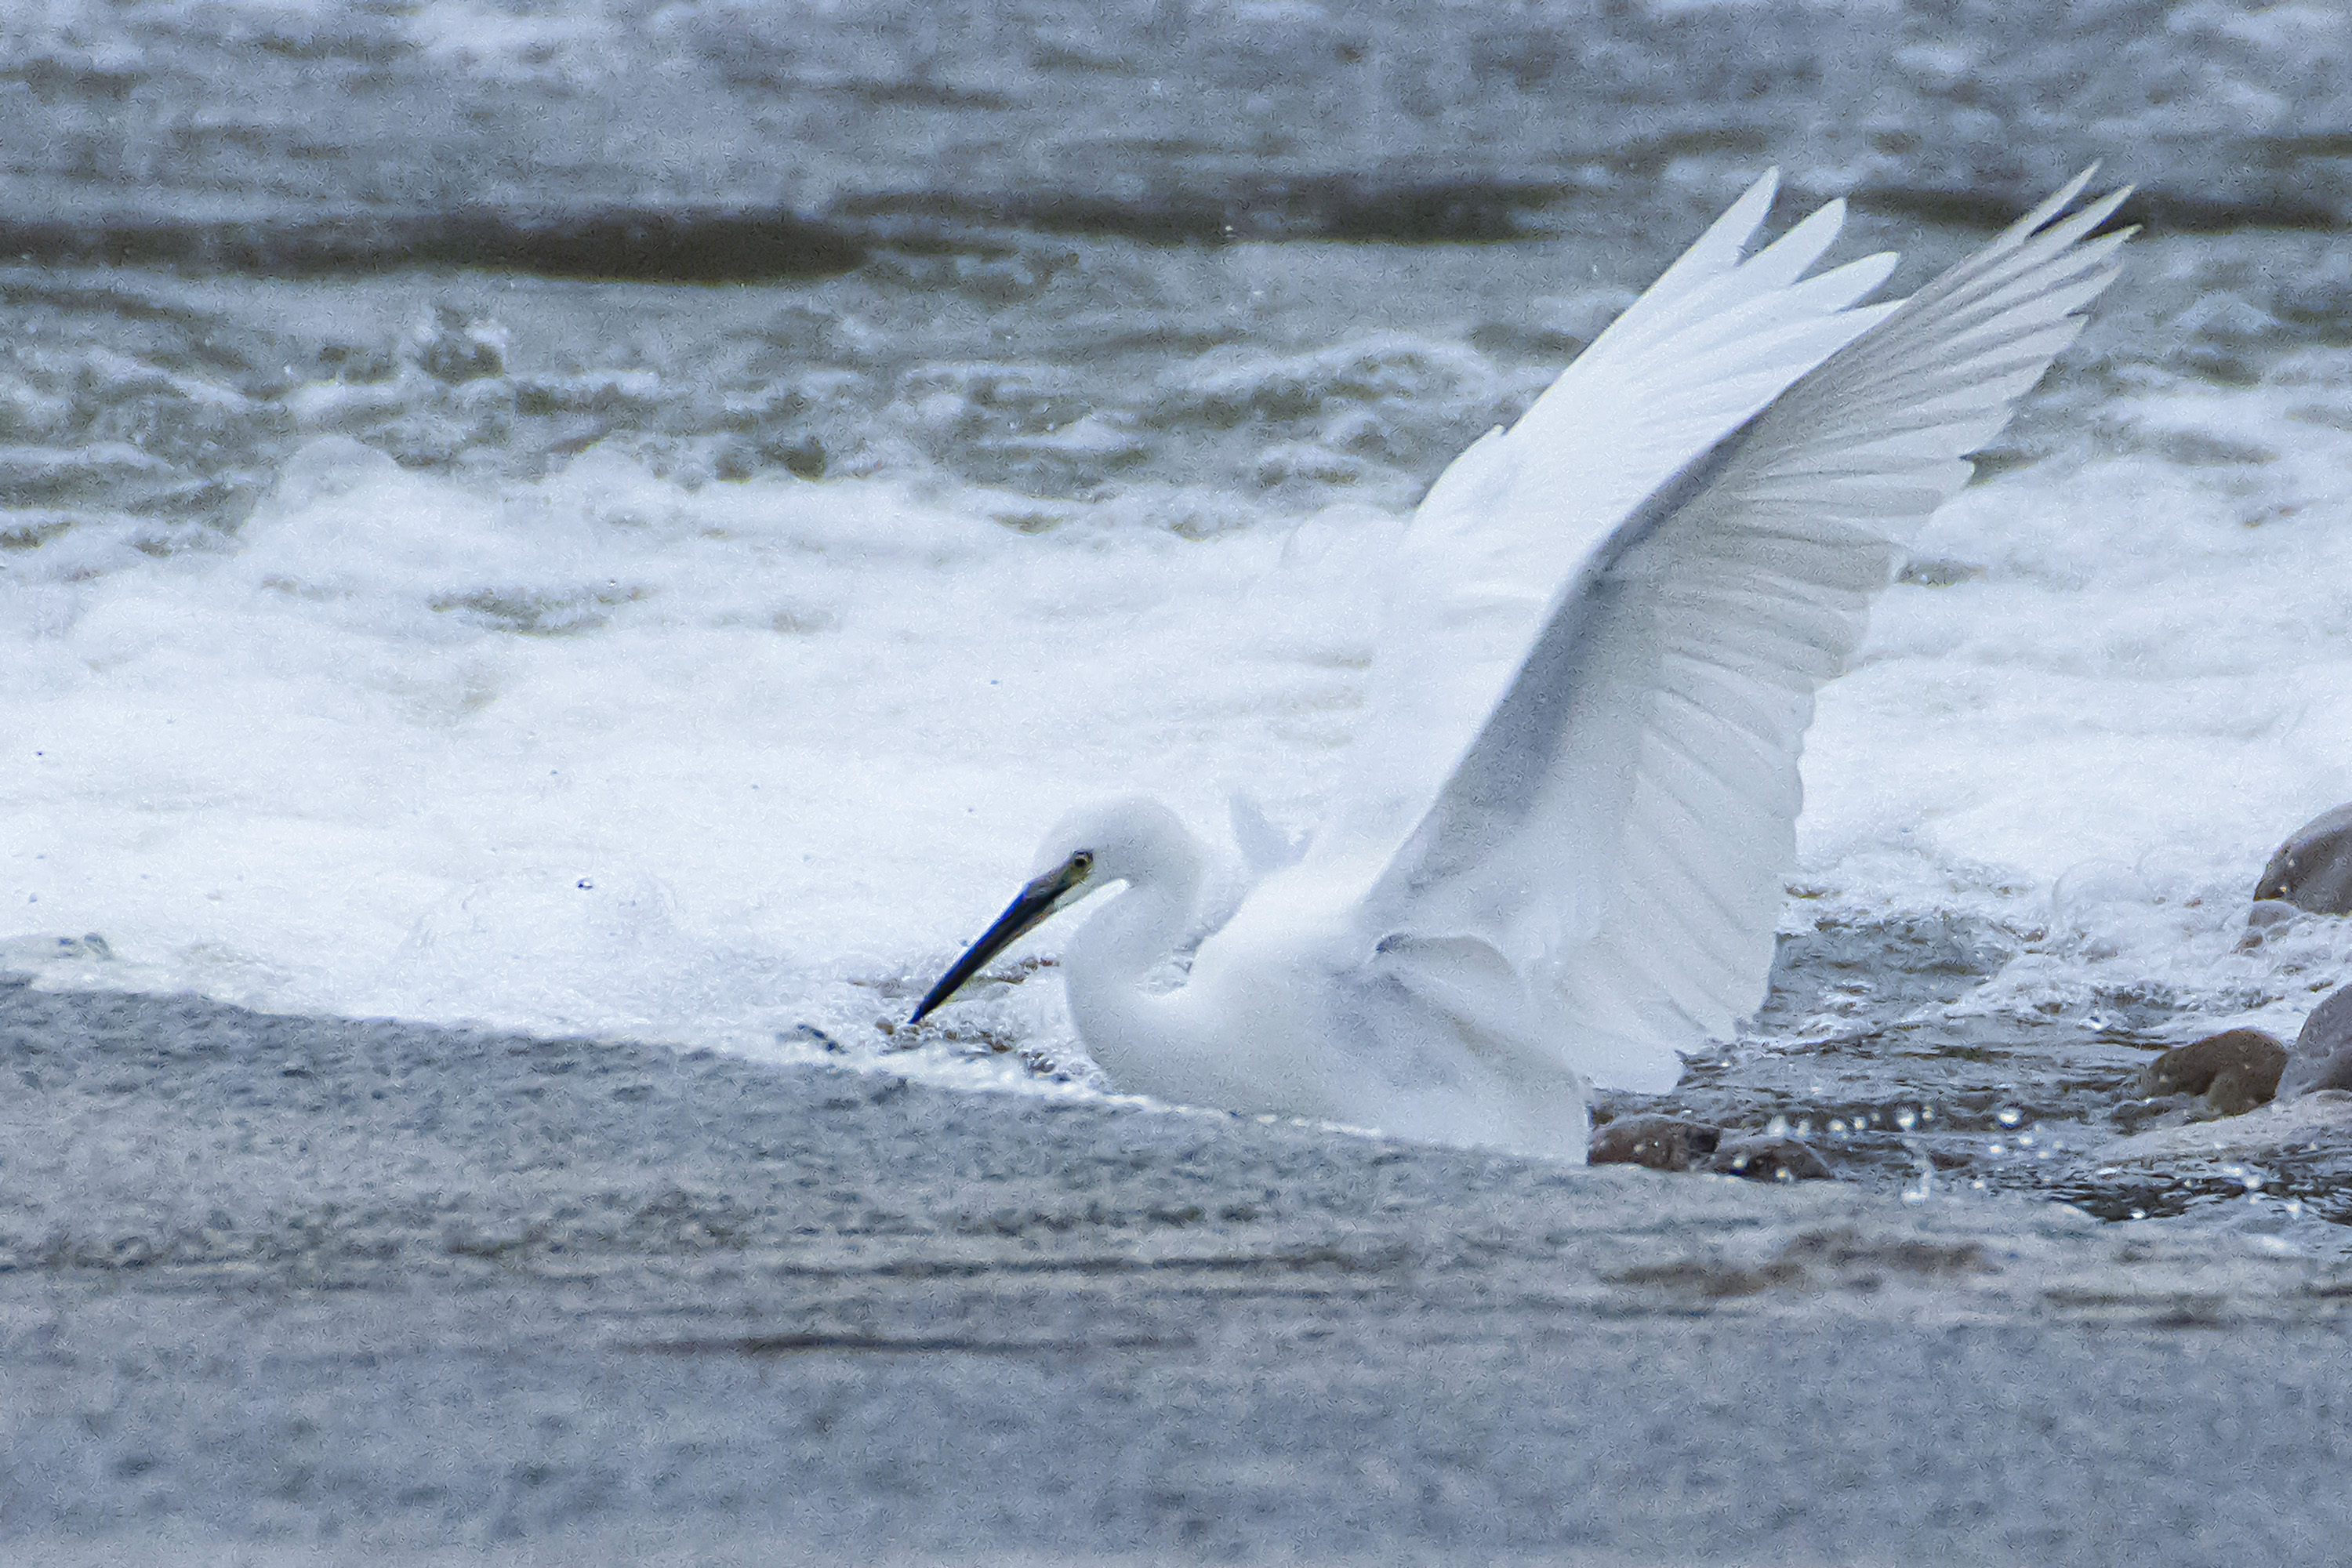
1558 854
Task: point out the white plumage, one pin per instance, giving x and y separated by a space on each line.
1569 813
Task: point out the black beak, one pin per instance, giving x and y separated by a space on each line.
1037 900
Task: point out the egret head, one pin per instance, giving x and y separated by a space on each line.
1130 840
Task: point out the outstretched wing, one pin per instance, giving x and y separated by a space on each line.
1713 340
1619 827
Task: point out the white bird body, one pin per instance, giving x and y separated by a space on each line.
1290 1006
1559 851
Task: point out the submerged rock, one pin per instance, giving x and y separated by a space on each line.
2322 1115
1768 1158
2321 1057
2234 1070
2313 870
2159 1111
1660 1143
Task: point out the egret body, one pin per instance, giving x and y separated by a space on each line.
1559 856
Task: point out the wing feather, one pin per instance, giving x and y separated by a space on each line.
1620 824
1713 341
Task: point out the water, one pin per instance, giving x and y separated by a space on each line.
423 598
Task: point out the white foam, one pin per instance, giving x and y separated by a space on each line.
601 754
2103 736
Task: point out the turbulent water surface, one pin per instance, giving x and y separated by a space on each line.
630 518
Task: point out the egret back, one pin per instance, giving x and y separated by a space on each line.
1619 821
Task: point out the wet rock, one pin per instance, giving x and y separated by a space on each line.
2234 1072
2268 912
2234 1092
2313 870
2261 917
1769 1159
1660 1143
2321 1057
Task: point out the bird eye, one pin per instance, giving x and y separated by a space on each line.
1083 861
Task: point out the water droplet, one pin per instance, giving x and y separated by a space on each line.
1776 1128
2139 1214
2009 1116
1906 1118
1996 1149
1805 1128
1927 1187
1837 1127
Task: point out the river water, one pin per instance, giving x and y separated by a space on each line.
629 518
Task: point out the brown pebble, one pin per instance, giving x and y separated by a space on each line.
1661 1142
2235 1070
1768 1158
